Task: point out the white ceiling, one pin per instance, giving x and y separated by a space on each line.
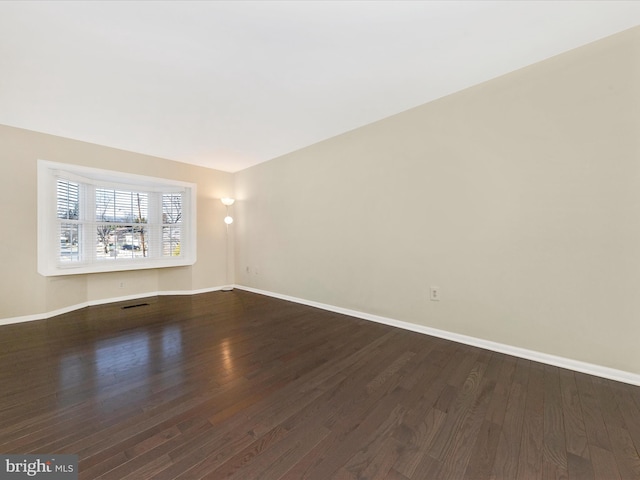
231 84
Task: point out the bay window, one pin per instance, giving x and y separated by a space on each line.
92 220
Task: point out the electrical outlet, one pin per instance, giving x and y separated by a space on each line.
434 294
121 284
248 269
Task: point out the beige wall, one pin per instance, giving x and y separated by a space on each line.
24 292
519 198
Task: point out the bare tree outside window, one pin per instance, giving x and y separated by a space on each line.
141 219
105 231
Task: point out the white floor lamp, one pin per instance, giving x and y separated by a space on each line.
228 219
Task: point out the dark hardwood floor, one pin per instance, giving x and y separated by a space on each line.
237 385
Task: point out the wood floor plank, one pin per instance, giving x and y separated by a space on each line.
625 452
418 429
484 451
604 463
239 385
424 419
383 418
498 404
627 403
575 432
507 455
531 447
283 458
373 461
579 467
554 446
551 471
453 449
394 475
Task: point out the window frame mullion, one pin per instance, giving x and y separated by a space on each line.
89 224
154 223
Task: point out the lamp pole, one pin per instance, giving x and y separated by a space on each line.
228 220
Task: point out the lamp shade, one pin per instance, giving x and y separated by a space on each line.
227 201
228 220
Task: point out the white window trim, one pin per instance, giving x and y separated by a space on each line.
48 264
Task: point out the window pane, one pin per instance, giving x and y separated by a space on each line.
121 206
69 242
105 241
134 243
171 208
117 241
171 237
68 204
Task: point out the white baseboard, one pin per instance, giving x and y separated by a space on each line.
562 362
103 301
